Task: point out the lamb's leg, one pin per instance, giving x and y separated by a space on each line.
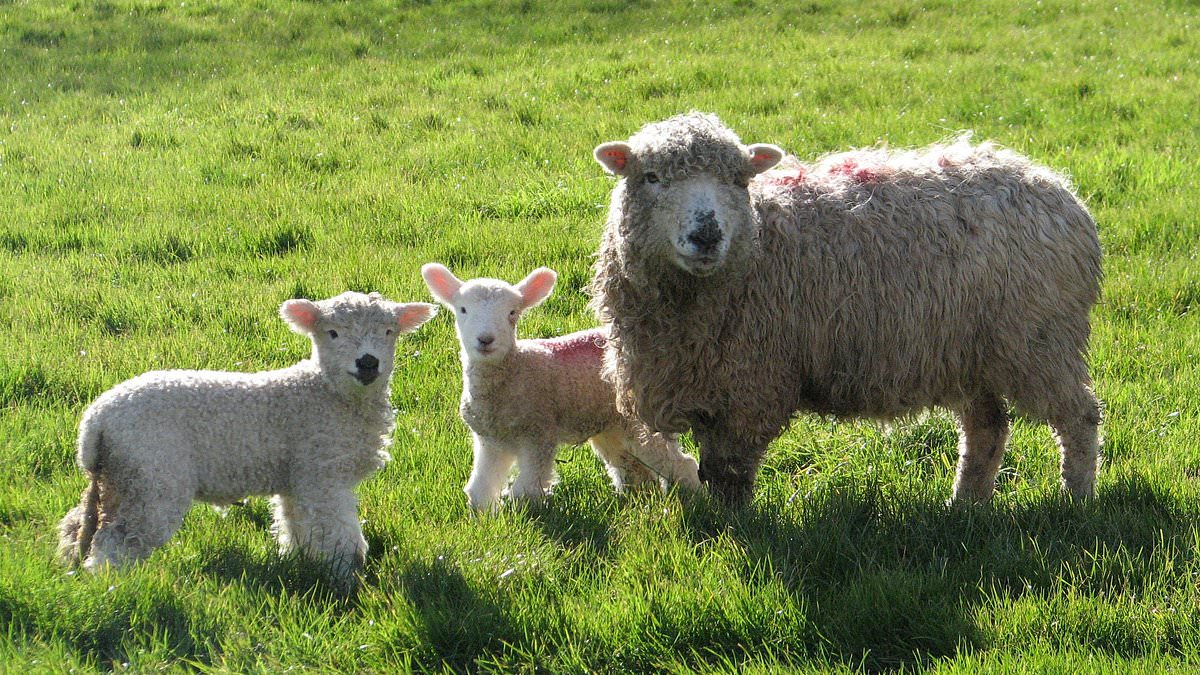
613 447
488 474
983 431
136 520
323 526
1076 423
728 463
535 471
665 455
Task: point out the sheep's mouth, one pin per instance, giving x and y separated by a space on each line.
699 265
365 376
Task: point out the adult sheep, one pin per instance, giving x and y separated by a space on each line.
869 284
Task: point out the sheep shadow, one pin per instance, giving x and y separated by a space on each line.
893 582
457 625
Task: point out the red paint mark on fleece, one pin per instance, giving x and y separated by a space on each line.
857 172
791 180
586 345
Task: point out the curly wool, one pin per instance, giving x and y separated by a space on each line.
867 284
307 434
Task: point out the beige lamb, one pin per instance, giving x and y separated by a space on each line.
522 398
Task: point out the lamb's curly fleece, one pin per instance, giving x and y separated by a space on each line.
307 434
523 398
873 283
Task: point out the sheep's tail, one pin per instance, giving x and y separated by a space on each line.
78 527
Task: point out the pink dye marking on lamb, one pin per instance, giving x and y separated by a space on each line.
586 345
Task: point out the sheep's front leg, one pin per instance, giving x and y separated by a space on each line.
492 463
323 526
535 475
728 462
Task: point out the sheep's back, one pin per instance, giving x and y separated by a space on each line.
896 287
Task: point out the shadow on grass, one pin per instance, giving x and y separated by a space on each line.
893 581
456 625
113 628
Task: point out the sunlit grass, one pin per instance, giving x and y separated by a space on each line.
171 172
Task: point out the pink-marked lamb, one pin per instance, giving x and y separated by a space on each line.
307 434
869 284
522 398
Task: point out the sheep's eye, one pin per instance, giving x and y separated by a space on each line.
389 332
651 177
512 314
462 310
332 334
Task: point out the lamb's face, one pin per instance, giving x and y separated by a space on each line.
486 312
685 195
354 335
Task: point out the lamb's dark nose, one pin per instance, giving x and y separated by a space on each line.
707 235
367 362
486 339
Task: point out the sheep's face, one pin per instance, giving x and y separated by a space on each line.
685 195
354 335
486 311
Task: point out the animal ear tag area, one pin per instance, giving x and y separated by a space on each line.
613 156
763 156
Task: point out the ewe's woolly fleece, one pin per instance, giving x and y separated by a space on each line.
868 284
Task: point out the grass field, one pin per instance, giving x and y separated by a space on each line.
170 172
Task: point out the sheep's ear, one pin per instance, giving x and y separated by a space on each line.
441 282
537 286
302 315
764 156
614 157
410 316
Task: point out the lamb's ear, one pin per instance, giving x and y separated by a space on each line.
537 286
764 156
614 156
441 282
410 316
302 315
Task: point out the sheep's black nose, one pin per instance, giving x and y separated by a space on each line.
486 339
367 362
708 234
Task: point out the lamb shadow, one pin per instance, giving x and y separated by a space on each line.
457 625
274 574
893 581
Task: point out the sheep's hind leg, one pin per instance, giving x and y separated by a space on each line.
983 432
1076 426
728 464
613 447
133 525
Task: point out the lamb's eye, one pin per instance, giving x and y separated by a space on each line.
512 314
332 334
462 310
651 177
389 332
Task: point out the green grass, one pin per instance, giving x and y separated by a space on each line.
170 172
